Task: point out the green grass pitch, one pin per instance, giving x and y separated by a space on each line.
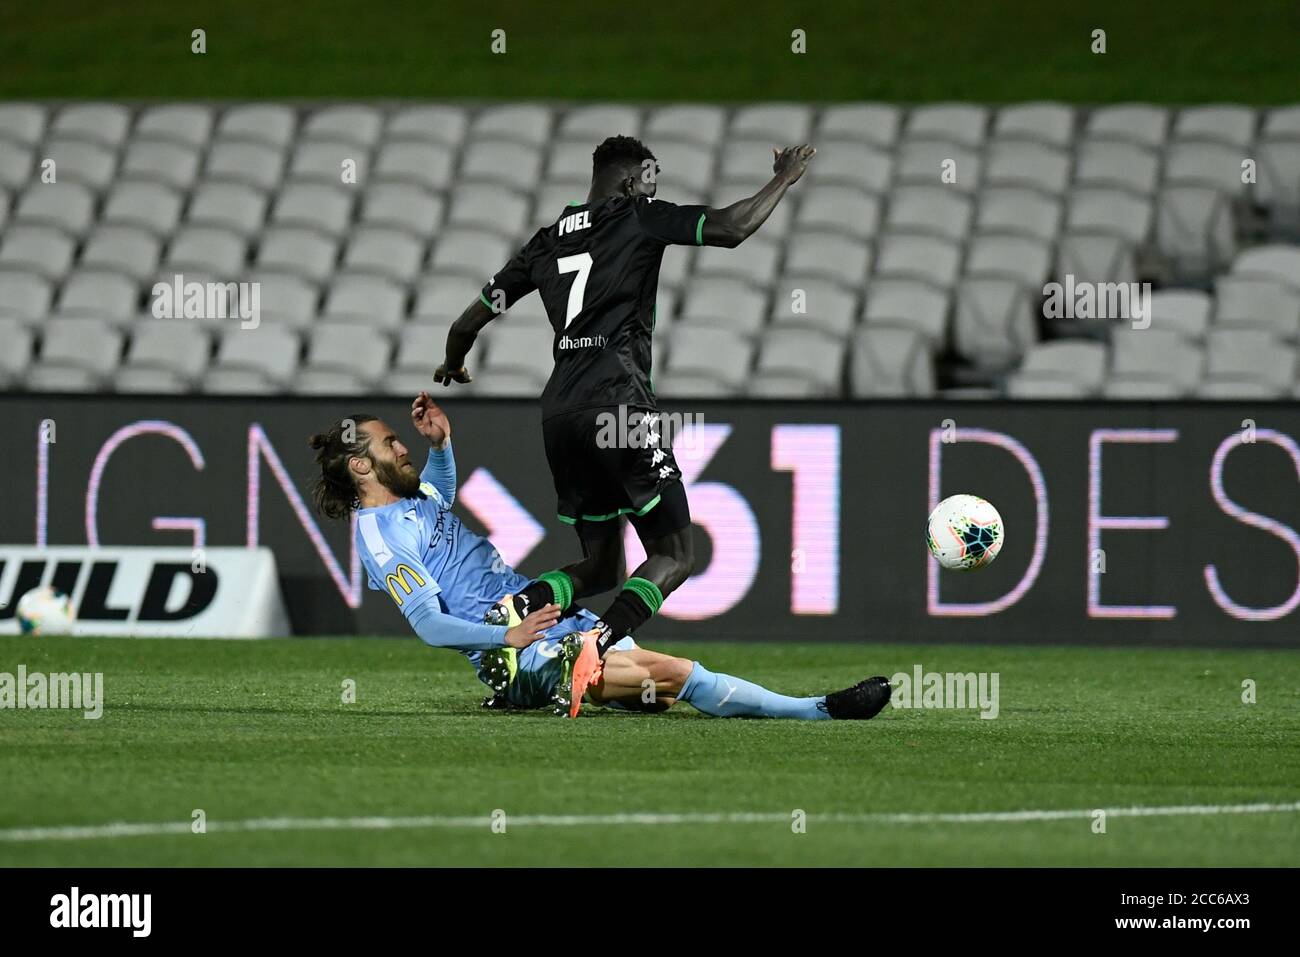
257 729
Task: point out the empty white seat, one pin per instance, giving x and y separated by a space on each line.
357 349
848 163
695 124
421 347
445 297
1258 301
520 348
189 125
1233 126
68 206
207 250
254 164
22 122
1078 361
874 123
515 383
1032 165
806 302
402 206
296 250
1254 355
440 123
43 250
1278 185
754 261
60 378
171 164
470 252
724 302
329 382
598 121
526 123
1049 123
270 351
1034 385
337 163
1139 123
682 166
909 302
19 344
238 381
783 123
1017 210
81 161
570 163
1184 311
796 352
359 125
962 123
125 249
490 208
285 299
828 256
1276 261
721 354
693 385
1156 355
785 385
1113 165
372 300
314 206
940 163
930 209
890 361
15 164
264 123
103 122
104 295
149 380
393 253
174 345
1195 230
422 164
994 322
1283 121
148 206
89 344
746 162
839 208
1112 212
1205 164
234 206
1235 388
1095 258
1128 387
931 258
24 295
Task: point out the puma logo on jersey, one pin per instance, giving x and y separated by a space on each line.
575 221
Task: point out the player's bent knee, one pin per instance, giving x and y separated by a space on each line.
670 674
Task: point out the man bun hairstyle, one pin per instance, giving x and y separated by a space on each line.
334 493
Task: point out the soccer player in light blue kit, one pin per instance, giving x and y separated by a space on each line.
453 588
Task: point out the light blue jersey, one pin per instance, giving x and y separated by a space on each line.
443 576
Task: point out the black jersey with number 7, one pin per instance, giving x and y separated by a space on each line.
597 271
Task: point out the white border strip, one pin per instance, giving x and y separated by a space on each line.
125 829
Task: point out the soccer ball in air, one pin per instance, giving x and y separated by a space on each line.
964 532
44 611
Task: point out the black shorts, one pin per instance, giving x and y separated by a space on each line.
607 463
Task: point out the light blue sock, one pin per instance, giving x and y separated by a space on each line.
726 697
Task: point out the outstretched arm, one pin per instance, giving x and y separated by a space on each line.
732 225
460 339
432 423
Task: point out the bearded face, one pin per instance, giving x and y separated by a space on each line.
398 476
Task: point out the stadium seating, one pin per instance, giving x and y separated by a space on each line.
911 261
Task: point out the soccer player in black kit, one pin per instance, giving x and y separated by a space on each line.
597 271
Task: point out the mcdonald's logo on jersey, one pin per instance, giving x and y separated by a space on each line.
402 578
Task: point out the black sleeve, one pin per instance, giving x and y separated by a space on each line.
511 284
671 224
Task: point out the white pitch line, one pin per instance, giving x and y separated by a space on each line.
125 829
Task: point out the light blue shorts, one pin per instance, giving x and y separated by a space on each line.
539 664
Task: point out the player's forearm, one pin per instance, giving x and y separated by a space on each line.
463 332
443 631
732 225
440 471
